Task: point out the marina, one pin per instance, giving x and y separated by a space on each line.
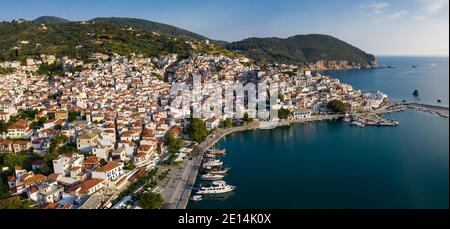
334 165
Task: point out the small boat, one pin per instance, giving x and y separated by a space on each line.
414 66
359 124
439 100
217 187
196 198
211 177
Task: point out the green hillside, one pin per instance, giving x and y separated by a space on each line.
300 49
75 39
151 26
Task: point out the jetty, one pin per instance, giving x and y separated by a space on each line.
441 111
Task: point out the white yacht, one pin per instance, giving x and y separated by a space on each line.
217 171
211 177
218 187
212 163
212 156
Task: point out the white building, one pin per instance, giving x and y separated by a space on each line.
109 172
64 163
301 114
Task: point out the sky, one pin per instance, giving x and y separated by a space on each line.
385 27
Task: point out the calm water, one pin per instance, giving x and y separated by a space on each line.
431 78
334 165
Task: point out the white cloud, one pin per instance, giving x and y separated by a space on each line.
377 10
375 7
420 18
434 6
392 16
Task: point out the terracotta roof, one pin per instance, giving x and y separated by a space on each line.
6 142
35 179
144 148
51 206
21 124
33 190
92 160
88 184
108 167
140 155
53 176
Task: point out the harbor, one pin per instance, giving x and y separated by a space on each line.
183 179
332 164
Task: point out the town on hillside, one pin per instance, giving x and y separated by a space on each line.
84 134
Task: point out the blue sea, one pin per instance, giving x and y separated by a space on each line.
333 165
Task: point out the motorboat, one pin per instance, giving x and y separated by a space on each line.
218 171
212 163
217 152
217 187
211 177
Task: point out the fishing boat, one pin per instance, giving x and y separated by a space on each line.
211 177
217 187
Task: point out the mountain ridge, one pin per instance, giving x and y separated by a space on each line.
317 51
304 50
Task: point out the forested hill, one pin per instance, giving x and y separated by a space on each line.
19 40
152 26
53 35
302 49
50 20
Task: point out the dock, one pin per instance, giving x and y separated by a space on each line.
373 120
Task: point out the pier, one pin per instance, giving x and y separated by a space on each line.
373 120
441 111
